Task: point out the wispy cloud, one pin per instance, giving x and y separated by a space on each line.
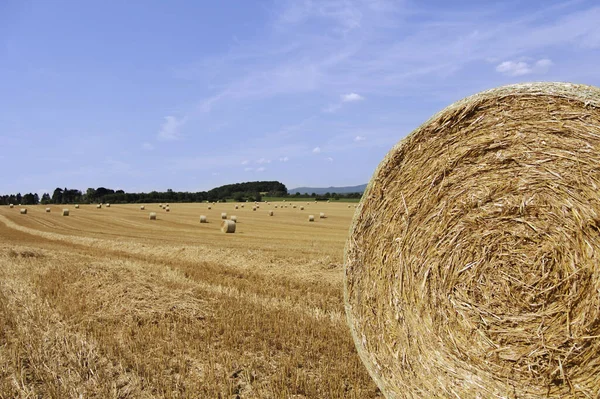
263 161
359 138
284 159
351 97
147 147
245 162
519 68
170 129
329 159
316 150
261 169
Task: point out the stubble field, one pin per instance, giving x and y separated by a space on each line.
107 303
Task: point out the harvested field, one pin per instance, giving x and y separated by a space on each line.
111 304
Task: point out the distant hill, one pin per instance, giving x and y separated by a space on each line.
323 190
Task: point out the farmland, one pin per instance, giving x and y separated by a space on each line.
107 303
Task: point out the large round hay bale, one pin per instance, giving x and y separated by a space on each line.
203 219
233 218
473 264
152 215
65 212
223 215
48 210
23 211
228 226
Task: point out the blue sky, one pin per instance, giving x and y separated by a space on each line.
189 95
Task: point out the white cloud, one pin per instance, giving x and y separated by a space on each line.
170 128
147 147
263 161
245 162
520 68
316 150
329 159
331 108
284 159
359 138
351 97
261 169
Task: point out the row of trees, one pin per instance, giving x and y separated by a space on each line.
252 191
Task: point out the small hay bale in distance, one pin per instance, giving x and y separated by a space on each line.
76 206
23 211
301 208
209 207
203 219
311 218
464 281
322 215
48 210
228 226
160 205
65 212
253 208
167 209
11 206
223 215
270 213
152 215
294 206
236 207
233 218
108 205
99 206
142 207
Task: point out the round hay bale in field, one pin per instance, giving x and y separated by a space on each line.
223 215
311 218
253 208
76 206
233 218
228 226
11 206
152 215
209 207
301 208
99 206
236 207
142 207
322 216
242 205
270 213
167 209
23 211
108 205
472 269
48 210
160 205
65 212
294 206
275 206
203 219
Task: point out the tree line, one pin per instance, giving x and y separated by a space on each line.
251 191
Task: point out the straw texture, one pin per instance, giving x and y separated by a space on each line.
473 264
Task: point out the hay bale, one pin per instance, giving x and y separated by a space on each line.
152 215
233 218
167 209
160 205
203 219
311 218
270 213
253 208
76 206
223 215
472 265
48 210
322 216
65 212
236 207
108 205
142 207
301 208
242 205
348 206
209 207
11 206
294 206
228 226
275 206
99 206
23 211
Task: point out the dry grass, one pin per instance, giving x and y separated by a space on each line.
107 305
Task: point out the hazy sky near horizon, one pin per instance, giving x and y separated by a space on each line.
189 95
